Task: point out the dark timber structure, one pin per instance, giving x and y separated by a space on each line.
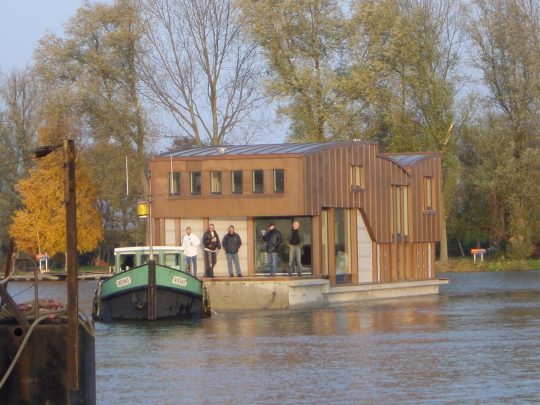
367 217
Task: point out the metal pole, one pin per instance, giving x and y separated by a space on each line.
71 263
152 302
150 220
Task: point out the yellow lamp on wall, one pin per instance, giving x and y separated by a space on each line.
142 209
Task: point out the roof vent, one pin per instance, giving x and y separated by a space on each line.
222 150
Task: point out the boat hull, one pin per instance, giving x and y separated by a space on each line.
148 293
134 305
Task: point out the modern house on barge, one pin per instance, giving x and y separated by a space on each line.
366 217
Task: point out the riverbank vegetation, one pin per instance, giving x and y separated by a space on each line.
500 264
458 77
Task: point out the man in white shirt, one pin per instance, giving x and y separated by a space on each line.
190 243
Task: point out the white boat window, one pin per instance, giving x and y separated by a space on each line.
145 256
172 259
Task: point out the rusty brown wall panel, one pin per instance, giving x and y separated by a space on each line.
291 202
316 245
403 261
387 262
308 168
159 231
374 263
354 247
408 263
250 252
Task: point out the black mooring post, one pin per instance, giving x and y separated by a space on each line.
152 290
71 263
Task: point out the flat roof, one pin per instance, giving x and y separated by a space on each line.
265 149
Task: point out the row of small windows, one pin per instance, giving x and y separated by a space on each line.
216 184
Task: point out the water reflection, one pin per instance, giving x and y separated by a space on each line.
475 343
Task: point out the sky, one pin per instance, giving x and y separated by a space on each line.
24 22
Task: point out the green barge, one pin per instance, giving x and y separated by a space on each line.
150 285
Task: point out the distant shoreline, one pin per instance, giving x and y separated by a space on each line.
467 264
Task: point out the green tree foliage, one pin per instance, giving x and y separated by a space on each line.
91 79
506 38
19 97
301 42
403 74
95 64
41 224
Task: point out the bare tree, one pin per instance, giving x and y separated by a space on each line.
199 67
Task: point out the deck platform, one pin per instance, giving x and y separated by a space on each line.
250 293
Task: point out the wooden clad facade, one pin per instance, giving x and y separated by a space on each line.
371 217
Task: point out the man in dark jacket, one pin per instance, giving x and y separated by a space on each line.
273 240
231 243
211 247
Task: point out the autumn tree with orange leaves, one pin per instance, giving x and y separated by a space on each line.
40 226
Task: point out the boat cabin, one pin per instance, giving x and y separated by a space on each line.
126 258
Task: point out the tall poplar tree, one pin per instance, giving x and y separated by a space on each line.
403 73
302 43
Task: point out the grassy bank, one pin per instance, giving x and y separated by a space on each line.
467 264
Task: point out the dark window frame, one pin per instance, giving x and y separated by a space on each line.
279 187
193 186
219 182
254 183
233 182
175 183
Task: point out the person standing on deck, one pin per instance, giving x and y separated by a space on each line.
190 243
295 249
211 248
273 240
231 243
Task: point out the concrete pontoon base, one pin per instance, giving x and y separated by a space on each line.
284 292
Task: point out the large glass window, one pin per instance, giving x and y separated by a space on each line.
279 181
195 182
342 245
236 181
284 225
400 211
258 181
174 183
215 182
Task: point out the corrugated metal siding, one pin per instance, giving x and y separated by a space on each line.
403 262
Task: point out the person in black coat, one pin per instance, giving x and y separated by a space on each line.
231 243
273 240
211 248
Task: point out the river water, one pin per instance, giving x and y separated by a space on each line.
478 342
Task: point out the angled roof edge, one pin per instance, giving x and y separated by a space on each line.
260 149
405 160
